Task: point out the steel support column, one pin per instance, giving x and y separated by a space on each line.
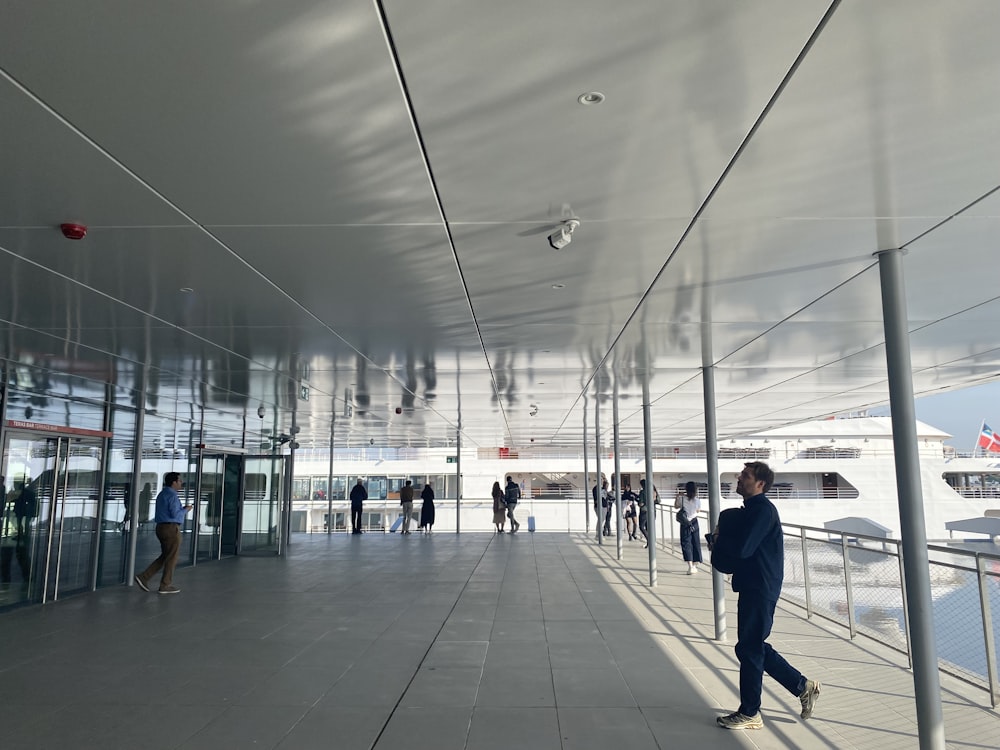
714 494
140 425
926 681
617 484
586 470
597 469
458 477
647 434
329 476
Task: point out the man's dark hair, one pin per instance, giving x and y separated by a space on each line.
691 489
408 482
170 477
508 479
762 473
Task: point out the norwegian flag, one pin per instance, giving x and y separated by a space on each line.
987 440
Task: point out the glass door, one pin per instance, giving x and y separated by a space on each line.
263 486
211 486
49 522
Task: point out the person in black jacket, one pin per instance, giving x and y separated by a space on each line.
511 494
427 509
358 496
758 545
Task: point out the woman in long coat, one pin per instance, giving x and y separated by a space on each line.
427 511
499 508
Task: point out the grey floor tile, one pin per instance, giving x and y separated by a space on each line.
523 687
619 728
341 727
441 728
443 686
449 653
241 727
376 687
523 728
596 688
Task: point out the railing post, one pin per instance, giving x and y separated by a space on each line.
850 590
991 654
906 609
805 574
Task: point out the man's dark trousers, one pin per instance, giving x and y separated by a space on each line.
754 618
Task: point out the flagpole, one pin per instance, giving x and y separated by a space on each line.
976 444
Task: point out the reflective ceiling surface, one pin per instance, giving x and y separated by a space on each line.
357 196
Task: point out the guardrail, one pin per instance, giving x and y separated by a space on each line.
855 581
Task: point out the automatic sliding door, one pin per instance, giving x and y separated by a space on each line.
211 486
263 484
49 521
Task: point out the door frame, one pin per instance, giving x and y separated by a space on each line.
16 429
206 450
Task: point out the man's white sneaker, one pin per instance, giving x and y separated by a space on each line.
736 720
808 698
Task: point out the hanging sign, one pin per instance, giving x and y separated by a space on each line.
17 424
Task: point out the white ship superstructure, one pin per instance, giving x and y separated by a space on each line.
824 470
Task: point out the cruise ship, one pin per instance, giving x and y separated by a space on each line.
825 471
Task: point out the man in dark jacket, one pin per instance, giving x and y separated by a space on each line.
758 544
511 495
358 496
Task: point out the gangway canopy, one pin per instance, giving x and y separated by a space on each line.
858 525
982 525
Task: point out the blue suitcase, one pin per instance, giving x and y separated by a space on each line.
531 523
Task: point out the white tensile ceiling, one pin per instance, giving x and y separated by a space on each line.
359 196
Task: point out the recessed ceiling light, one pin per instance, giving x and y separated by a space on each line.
186 290
590 97
558 286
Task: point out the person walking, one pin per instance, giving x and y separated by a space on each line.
406 500
358 496
688 505
512 493
757 542
609 502
427 509
499 508
628 504
170 515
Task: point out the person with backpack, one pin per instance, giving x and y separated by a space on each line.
512 494
754 543
628 503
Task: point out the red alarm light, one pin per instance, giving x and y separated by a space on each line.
74 231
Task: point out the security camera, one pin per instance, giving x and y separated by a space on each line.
260 411
294 445
295 429
371 441
564 234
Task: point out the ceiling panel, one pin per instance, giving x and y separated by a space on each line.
240 113
282 130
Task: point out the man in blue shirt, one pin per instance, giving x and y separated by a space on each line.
170 515
759 545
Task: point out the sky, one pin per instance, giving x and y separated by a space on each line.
960 413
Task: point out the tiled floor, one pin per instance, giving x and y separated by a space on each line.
528 641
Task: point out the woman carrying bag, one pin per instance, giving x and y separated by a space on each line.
688 506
